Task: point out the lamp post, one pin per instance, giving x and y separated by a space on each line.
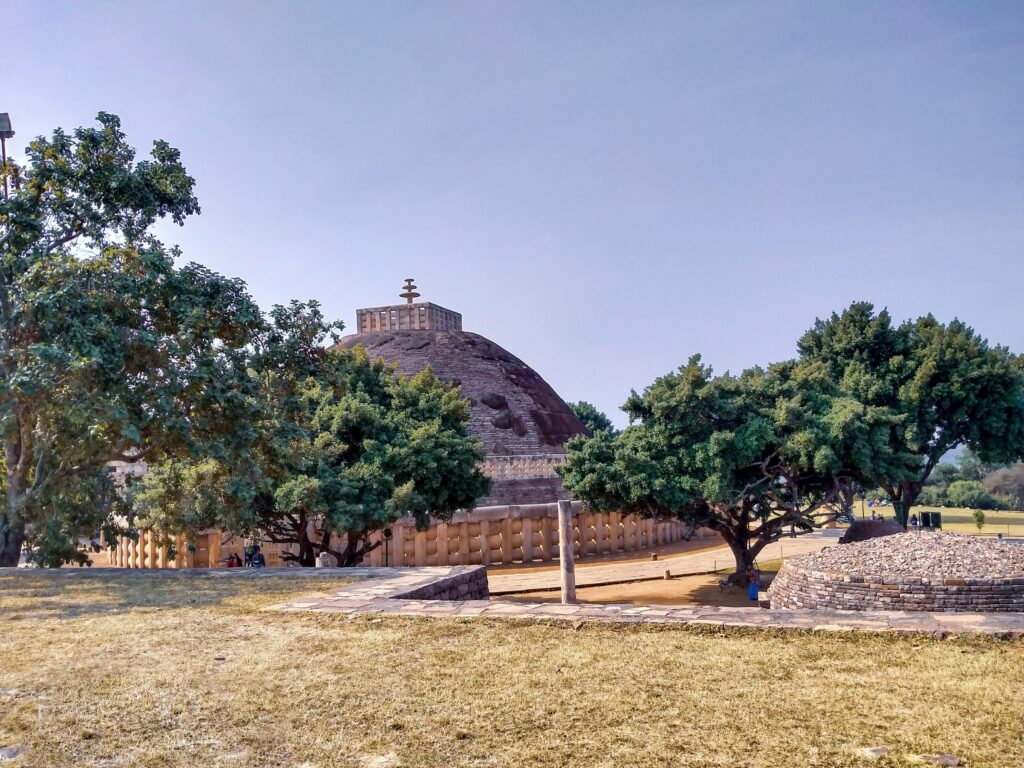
6 132
387 545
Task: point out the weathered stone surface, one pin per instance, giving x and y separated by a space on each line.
13 751
873 752
516 414
942 759
862 530
910 572
494 379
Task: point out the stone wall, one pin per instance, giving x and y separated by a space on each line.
797 587
512 409
460 584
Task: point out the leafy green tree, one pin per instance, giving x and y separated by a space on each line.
344 447
949 386
970 466
979 518
108 350
934 495
971 493
750 456
594 420
944 474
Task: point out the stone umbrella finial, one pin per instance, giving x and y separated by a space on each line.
410 291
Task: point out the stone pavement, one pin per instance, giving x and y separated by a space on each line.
397 591
682 564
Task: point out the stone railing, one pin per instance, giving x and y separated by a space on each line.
518 534
797 587
522 467
488 535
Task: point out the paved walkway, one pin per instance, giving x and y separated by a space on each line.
387 595
683 564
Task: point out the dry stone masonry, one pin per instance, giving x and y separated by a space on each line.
907 572
521 420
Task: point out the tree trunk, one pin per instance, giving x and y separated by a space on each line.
908 493
742 555
307 555
307 552
12 536
745 556
352 555
12 524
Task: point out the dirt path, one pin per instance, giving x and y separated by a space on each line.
686 563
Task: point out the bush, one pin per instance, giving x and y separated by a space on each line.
933 496
979 518
971 493
1008 483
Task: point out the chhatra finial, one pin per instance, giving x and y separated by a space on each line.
410 291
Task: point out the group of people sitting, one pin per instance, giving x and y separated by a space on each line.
253 558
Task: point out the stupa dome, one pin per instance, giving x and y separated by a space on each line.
521 420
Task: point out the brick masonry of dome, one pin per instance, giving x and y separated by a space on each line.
513 410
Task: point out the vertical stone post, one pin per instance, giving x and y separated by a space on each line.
441 530
545 538
527 539
465 556
420 548
599 537
567 566
397 556
213 548
506 539
485 544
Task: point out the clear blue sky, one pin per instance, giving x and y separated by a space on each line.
602 188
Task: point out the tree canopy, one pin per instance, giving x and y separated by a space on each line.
343 447
594 420
948 385
750 456
108 349
866 403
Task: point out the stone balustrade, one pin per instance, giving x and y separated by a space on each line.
484 536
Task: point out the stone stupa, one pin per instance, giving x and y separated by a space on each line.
521 420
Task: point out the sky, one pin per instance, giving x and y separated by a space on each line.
603 188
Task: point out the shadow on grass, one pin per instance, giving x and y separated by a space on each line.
30 594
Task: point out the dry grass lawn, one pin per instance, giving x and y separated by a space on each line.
184 670
959 519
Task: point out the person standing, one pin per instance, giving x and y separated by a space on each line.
753 583
258 560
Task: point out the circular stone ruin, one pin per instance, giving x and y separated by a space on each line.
907 572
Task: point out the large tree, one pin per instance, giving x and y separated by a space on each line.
108 350
344 447
749 456
949 386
